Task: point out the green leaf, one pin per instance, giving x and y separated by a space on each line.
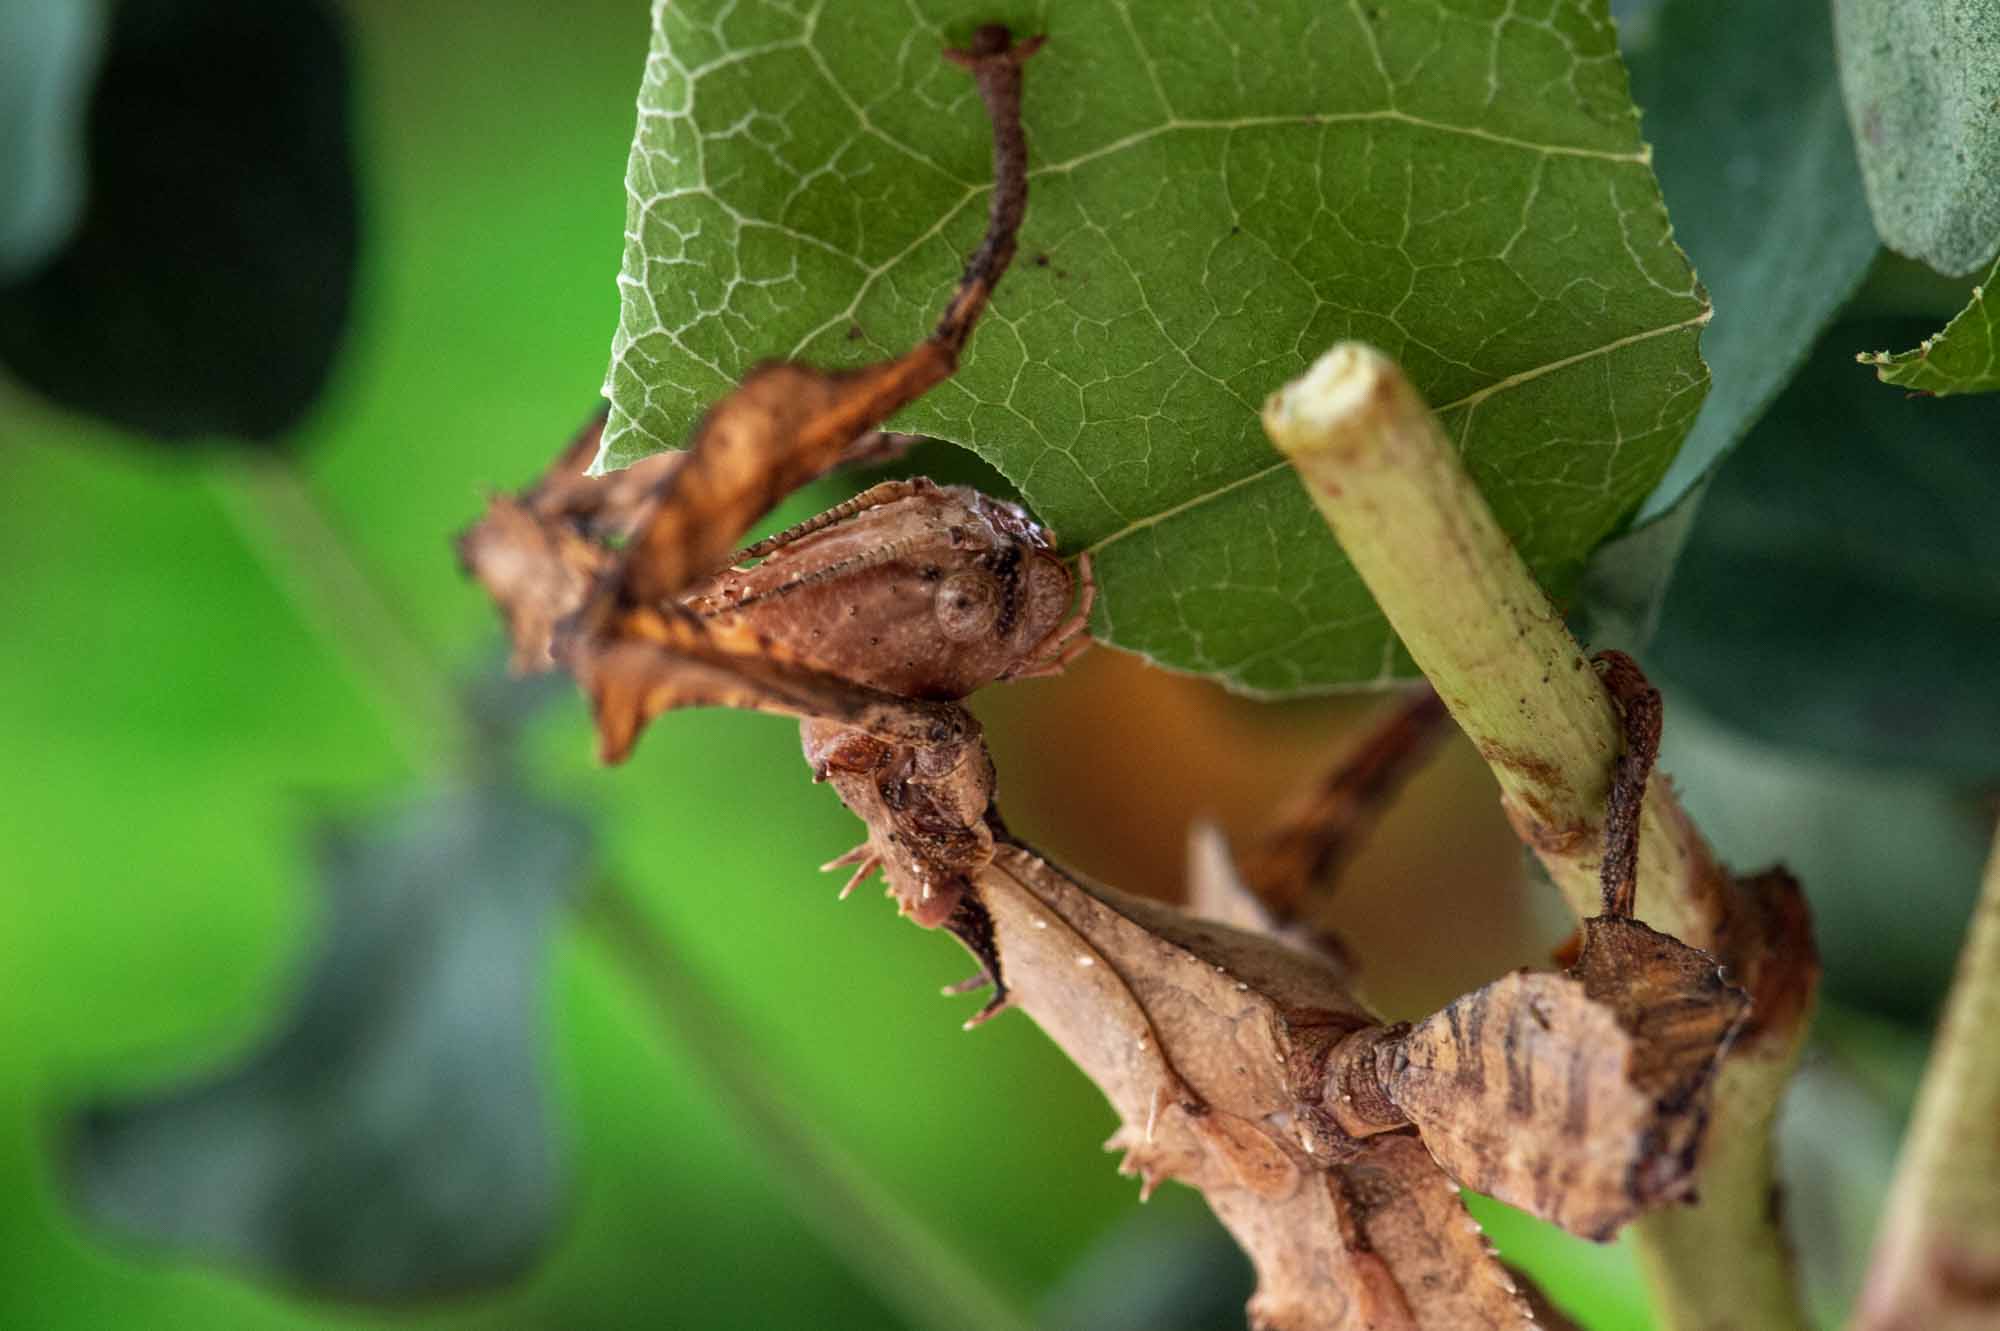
1742 107
1213 203
1842 583
391 1140
1922 79
1964 358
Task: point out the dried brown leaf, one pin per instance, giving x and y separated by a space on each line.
788 423
1243 1065
615 617
537 572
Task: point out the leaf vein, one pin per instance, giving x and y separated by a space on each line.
1469 402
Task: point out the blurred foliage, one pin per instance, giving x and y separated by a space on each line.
206 284
1841 584
48 55
390 1140
176 721
1888 854
1166 1267
1922 82
1840 1126
1746 126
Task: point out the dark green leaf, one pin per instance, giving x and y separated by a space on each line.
1842 585
391 1139
1215 200
1837 1153
48 52
1624 585
1964 358
1922 79
207 284
1742 107
1166 1267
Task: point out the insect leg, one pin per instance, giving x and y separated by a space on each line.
1312 836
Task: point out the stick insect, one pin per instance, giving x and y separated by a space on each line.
1239 1060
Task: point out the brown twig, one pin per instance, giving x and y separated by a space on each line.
1314 835
994 60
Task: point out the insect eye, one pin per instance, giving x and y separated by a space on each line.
966 605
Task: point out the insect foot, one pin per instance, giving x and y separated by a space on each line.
925 807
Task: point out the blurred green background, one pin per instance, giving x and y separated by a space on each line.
177 723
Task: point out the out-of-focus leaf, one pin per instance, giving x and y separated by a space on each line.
1836 1153
1890 860
391 1139
1900 288
1842 585
1625 584
1922 79
1742 106
1166 1267
1744 115
1214 201
206 287
1964 358
48 50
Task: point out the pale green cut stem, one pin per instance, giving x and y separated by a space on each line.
1378 464
1937 1256
1386 477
